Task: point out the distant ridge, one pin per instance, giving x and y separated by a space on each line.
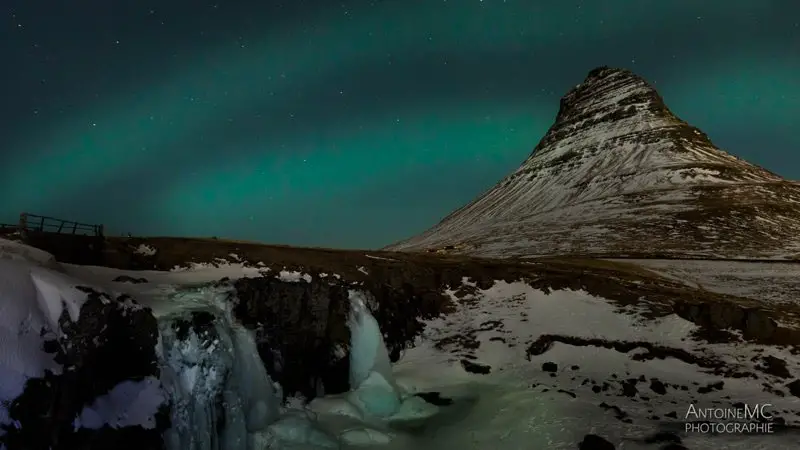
618 174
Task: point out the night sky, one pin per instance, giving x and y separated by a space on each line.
349 124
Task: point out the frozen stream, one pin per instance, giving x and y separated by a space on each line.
223 397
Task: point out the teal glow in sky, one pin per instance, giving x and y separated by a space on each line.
352 124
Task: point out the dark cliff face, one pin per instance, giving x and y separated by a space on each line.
301 327
69 248
301 332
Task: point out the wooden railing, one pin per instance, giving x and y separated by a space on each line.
32 222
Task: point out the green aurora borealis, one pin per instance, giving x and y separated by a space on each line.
351 124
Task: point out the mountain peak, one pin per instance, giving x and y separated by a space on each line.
619 174
607 88
618 96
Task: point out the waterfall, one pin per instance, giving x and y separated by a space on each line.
222 396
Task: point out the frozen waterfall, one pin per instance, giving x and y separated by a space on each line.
222 397
372 383
221 393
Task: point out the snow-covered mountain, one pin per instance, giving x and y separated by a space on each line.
619 174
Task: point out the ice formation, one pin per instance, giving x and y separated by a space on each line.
374 389
221 394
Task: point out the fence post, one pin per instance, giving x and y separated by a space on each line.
23 225
100 230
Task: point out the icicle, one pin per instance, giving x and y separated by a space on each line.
367 350
259 402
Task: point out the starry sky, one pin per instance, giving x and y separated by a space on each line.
354 123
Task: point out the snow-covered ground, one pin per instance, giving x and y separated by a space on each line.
150 287
512 368
587 380
771 282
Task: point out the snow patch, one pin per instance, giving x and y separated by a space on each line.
294 276
381 258
145 250
54 293
18 251
160 284
129 403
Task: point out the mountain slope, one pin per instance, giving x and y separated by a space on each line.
619 174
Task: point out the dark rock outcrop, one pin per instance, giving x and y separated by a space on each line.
301 332
794 388
129 279
775 366
595 442
68 248
549 366
716 317
301 327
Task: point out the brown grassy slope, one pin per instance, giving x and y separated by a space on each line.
425 275
171 252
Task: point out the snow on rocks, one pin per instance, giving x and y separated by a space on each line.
129 403
294 276
772 283
58 334
18 251
152 284
593 367
148 286
380 258
145 250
